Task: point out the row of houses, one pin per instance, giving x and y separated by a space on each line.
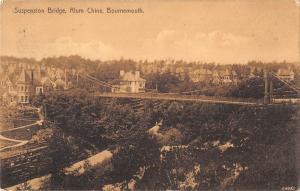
25 82
22 90
29 84
227 76
131 82
212 74
21 87
194 74
218 77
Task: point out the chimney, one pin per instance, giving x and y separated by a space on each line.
38 72
32 77
122 73
137 74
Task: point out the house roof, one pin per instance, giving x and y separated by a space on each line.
285 72
224 73
24 77
47 80
60 83
201 72
129 76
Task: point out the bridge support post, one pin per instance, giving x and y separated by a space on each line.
267 95
271 90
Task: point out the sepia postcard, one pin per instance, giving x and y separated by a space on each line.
150 95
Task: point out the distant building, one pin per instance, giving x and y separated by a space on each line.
8 94
20 82
286 74
27 86
8 97
216 78
4 80
255 72
24 89
222 77
130 82
48 84
180 73
234 77
201 75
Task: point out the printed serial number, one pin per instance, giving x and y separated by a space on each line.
288 188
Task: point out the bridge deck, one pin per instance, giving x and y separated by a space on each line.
178 97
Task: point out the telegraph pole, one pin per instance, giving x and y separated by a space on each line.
77 79
66 85
45 111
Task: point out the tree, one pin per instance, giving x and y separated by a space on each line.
164 82
60 150
250 88
143 153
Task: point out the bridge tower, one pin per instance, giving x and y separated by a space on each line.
268 95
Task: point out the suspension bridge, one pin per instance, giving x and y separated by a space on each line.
286 93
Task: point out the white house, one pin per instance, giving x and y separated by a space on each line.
286 74
130 82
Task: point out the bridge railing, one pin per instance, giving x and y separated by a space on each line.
176 96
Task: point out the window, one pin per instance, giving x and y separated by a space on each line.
39 90
22 98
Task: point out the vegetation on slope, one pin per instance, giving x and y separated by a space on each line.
203 146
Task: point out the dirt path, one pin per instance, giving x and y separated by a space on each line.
21 142
101 158
22 127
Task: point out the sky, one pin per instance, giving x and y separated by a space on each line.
227 31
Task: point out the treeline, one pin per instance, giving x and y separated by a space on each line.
78 62
211 146
161 81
